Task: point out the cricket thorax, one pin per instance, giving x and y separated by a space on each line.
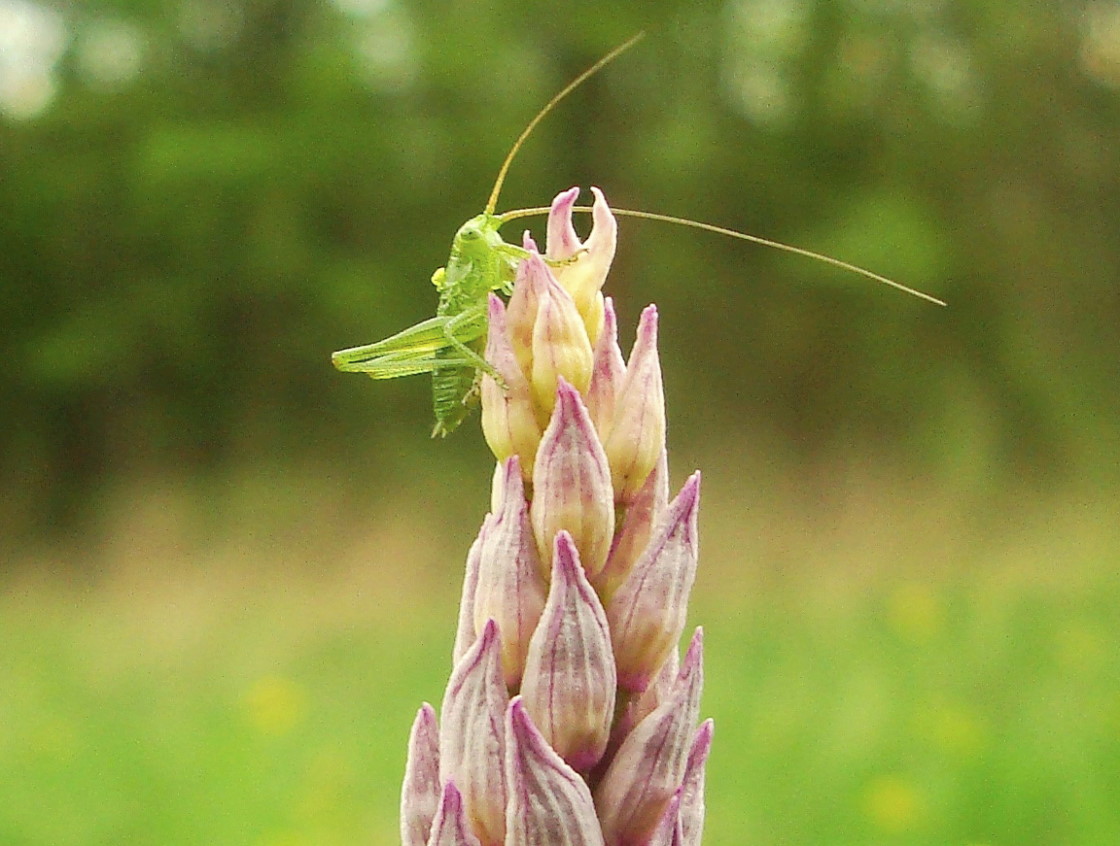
480 262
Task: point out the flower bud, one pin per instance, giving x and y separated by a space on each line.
450 827
465 632
510 588
572 486
569 684
637 436
692 786
583 276
638 522
607 372
561 347
472 735
642 705
561 240
509 419
548 802
521 313
650 764
420 793
647 612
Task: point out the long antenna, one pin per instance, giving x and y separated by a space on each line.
743 236
492 203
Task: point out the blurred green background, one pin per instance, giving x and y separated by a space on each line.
228 573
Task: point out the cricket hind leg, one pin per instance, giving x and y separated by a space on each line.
454 329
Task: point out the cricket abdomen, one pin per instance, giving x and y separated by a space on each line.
455 392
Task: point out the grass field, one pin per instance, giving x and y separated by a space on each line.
881 671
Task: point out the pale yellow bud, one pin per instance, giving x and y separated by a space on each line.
560 345
584 265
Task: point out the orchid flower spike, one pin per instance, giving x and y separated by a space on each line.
570 718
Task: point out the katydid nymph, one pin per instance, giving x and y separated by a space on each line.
450 345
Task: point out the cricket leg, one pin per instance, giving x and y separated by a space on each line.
564 262
454 326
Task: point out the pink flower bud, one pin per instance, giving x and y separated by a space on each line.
607 372
638 523
561 347
645 703
584 275
647 613
510 588
650 764
472 735
636 438
692 786
569 684
548 802
509 419
561 241
572 485
420 794
465 632
450 827
521 313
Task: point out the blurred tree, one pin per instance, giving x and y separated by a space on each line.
201 200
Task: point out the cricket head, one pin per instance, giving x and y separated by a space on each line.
478 238
480 261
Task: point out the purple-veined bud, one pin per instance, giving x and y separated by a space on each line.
450 827
510 590
509 418
692 786
646 702
647 612
561 241
472 735
548 802
650 763
607 372
521 313
636 438
561 346
569 683
668 831
572 485
583 276
420 793
465 632
638 523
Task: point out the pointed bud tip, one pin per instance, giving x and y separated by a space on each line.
694 656
702 744
689 495
519 719
495 305
609 316
452 800
566 394
566 198
489 633
511 484
566 557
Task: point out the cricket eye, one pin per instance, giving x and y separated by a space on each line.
470 234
